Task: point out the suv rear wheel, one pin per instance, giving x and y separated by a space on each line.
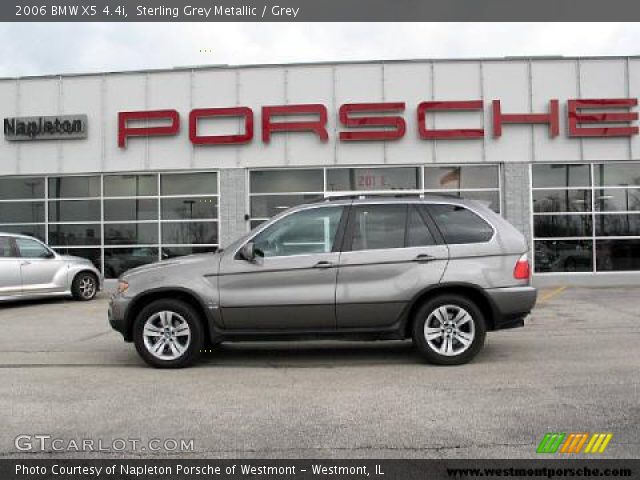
449 330
168 334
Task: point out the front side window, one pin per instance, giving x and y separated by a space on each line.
311 231
5 247
31 249
460 225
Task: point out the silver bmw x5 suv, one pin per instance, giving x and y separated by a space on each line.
441 270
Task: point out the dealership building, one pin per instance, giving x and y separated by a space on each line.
128 168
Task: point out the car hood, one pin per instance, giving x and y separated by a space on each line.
189 260
72 259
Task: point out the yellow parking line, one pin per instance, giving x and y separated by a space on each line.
552 293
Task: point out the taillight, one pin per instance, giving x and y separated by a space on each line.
522 270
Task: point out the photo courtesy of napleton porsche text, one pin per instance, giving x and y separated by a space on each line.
306 240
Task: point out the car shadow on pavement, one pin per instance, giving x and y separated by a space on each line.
322 354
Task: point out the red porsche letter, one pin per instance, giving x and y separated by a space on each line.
576 117
448 106
318 126
124 131
397 124
199 113
552 118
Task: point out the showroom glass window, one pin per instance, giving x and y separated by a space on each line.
272 191
586 217
118 221
22 206
477 182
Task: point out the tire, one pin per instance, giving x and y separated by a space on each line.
174 323
84 286
447 344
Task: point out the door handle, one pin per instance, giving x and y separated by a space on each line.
25 263
323 265
424 258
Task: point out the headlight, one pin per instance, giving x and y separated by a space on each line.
123 286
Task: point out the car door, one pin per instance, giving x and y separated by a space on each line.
42 271
291 283
392 252
10 280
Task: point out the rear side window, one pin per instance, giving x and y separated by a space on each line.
379 227
418 234
460 225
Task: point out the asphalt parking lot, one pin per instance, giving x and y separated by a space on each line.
575 367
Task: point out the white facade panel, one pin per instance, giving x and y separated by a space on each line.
411 84
83 96
458 81
258 88
215 89
634 92
170 91
509 83
304 86
604 79
554 80
124 93
522 86
355 84
9 151
39 97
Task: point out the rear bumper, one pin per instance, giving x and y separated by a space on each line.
511 305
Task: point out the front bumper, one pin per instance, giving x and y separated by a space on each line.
511 305
117 315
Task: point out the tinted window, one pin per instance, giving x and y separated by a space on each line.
301 233
454 178
5 247
379 227
73 187
417 232
74 211
282 181
31 249
459 225
21 212
561 175
130 185
22 187
189 183
362 179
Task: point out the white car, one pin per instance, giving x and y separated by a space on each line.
29 268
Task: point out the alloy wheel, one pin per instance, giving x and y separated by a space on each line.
449 330
166 335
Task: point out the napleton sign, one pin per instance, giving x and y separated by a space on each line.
601 117
45 128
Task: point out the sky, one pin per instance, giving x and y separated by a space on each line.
57 48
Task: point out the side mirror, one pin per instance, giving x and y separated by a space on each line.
49 255
248 252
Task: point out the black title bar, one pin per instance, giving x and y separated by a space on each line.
318 10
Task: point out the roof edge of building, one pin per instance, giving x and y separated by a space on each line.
190 68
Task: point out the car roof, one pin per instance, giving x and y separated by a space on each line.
15 235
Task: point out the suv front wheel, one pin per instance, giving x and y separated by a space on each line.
168 334
449 330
